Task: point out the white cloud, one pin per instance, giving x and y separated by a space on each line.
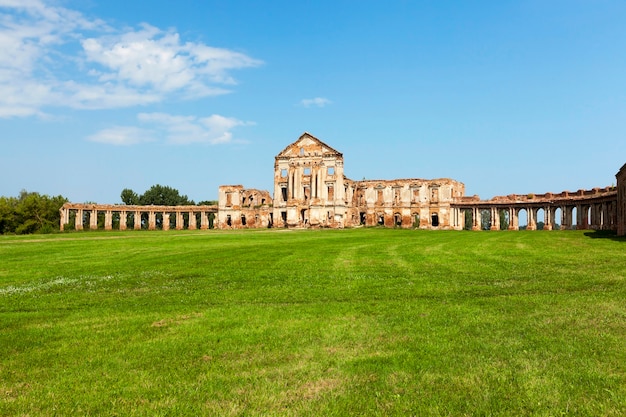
55 57
177 130
315 102
122 136
214 129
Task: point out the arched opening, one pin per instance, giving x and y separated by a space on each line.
468 219
397 219
416 220
435 220
229 222
303 217
522 218
540 221
243 220
485 219
557 219
362 218
381 219
505 221
574 224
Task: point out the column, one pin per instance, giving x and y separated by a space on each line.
566 223
123 217
65 218
192 221
137 219
79 219
180 222
580 223
495 219
547 221
204 220
512 218
151 220
93 219
166 221
108 220
532 215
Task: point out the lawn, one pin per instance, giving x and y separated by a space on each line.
313 323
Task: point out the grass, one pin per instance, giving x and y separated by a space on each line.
349 322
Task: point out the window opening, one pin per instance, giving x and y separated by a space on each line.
331 192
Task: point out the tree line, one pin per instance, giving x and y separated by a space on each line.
32 212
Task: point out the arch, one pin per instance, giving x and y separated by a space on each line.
468 219
522 218
434 220
505 220
484 216
540 219
416 219
557 218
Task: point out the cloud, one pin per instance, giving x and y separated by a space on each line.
177 130
214 129
122 136
51 56
315 102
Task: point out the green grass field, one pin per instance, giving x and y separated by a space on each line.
318 323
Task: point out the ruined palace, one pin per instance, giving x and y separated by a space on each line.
312 191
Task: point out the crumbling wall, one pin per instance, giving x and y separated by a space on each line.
243 208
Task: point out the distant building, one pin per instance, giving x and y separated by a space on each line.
311 190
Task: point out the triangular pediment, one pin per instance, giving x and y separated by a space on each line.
308 145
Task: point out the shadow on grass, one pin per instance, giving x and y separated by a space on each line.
605 234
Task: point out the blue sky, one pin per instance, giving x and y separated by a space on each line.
505 96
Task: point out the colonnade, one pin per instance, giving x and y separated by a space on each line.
597 213
167 217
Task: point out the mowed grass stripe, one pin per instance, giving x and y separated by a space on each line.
327 322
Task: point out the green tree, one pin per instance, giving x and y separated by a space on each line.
8 220
160 195
129 197
31 212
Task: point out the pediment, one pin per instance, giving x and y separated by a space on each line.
308 145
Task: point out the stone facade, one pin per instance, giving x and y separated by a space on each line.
621 201
311 190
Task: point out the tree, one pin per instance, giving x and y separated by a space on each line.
129 197
160 195
30 213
